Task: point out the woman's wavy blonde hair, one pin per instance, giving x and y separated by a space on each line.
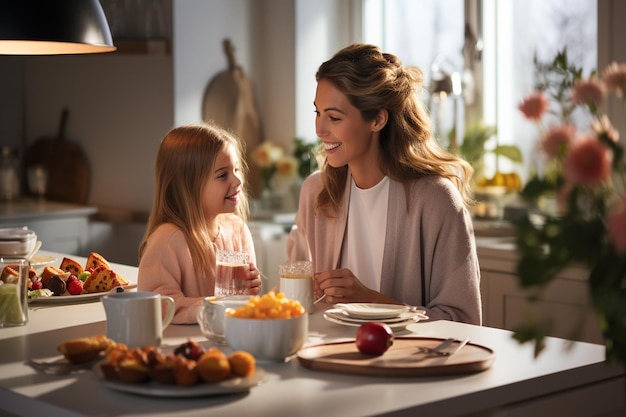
184 163
373 80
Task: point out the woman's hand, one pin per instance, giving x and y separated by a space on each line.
341 286
254 281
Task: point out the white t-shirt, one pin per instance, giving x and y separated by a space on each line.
364 240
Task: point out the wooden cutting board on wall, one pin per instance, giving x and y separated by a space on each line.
66 164
229 101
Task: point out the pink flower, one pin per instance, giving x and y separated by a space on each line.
616 223
534 106
589 91
588 163
614 76
557 140
605 127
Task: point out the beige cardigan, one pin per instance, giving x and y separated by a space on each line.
431 239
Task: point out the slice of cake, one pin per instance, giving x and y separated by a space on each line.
95 260
71 266
103 279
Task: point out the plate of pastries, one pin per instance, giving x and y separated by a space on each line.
72 281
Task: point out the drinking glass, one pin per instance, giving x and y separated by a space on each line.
14 292
232 272
296 282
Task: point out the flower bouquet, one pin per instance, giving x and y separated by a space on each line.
585 174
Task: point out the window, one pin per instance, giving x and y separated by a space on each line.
495 56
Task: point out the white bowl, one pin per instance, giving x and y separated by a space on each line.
267 339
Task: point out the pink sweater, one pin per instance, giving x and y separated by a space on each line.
166 265
431 239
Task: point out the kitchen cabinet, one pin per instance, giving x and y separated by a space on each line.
565 301
59 226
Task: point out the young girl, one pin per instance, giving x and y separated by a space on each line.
385 220
199 206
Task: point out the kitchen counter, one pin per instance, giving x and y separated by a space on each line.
62 227
24 210
566 379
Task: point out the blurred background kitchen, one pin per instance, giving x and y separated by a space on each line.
113 109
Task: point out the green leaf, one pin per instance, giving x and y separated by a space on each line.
511 152
536 187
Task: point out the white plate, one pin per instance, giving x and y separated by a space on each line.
339 314
336 316
155 389
372 310
68 299
40 261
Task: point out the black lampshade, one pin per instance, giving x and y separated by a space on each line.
53 27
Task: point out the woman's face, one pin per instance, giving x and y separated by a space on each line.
221 190
347 138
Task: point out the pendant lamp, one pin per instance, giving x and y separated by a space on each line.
53 27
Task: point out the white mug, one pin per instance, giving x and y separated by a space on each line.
296 282
135 318
211 315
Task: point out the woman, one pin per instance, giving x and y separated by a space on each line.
199 207
385 220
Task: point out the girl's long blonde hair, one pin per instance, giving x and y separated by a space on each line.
184 163
372 81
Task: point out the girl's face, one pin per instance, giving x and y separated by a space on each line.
347 138
221 190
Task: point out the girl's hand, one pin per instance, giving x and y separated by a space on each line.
254 281
341 286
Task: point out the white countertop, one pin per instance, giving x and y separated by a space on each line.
516 377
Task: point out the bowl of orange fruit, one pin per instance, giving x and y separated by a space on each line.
271 327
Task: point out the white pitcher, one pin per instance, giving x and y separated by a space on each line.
136 319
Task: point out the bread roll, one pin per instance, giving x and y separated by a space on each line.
84 349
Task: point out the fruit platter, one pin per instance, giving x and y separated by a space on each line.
71 279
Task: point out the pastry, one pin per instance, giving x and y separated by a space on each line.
185 371
84 349
71 266
102 279
48 272
95 260
133 371
9 274
214 366
242 363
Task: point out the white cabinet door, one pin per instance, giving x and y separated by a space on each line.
564 303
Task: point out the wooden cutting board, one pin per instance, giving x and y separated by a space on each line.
401 360
229 102
66 165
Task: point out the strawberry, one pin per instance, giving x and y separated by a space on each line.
36 285
75 286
